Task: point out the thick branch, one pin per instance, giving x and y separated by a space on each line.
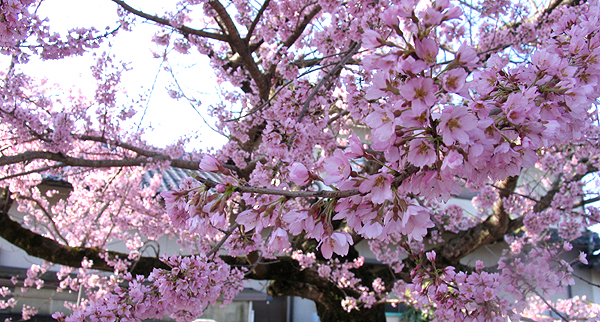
493 228
499 223
239 46
184 30
327 301
302 26
45 248
178 163
282 268
81 162
51 250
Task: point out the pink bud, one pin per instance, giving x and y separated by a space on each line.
583 258
431 256
299 174
479 265
209 163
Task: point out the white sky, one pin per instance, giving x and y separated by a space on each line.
170 119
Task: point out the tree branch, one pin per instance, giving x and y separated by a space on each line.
499 223
184 30
148 157
178 163
493 228
81 162
45 248
256 20
301 26
47 215
585 280
281 268
239 46
42 169
307 194
286 193
550 306
353 49
296 34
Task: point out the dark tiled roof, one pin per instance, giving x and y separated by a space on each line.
172 176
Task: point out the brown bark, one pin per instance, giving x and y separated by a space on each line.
89 163
492 229
328 302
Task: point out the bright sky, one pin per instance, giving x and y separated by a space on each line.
170 119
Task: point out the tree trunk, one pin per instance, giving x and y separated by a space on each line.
333 312
328 302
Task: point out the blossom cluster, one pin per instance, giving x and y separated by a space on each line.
578 307
183 292
455 295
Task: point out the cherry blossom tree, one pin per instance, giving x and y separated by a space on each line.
348 122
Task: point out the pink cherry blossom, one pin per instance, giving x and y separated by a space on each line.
427 50
467 56
431 256
382 121
387 99
338 242
210 164
379 186
416 221
454 81
420 92
421 153
372 39
279 240
356 147
299 174
455 122
452 160
337 167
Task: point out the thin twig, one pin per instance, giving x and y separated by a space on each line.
286 193
583 279
353 50
258 108
190 100
256 263
518 194
185 30
222 241
56 166
552 308
255 21
399 178
47 215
